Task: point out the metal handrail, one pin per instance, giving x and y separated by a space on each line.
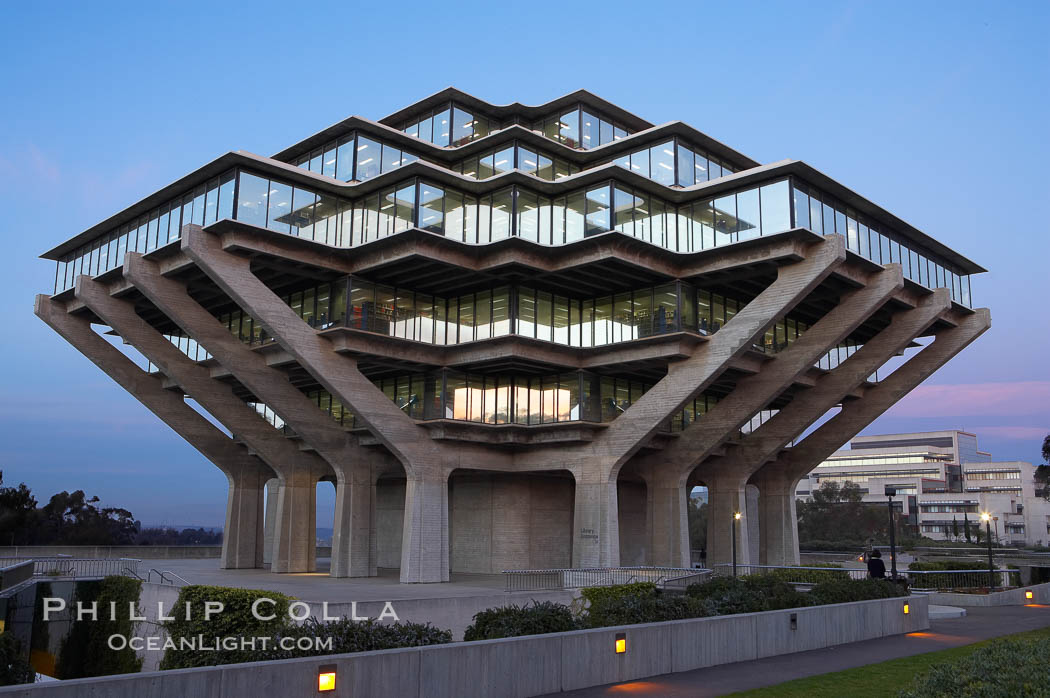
163 574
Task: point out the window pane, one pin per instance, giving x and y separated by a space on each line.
725 220
544 315
391 158
685 167
431 211
302 211
502 205
801 208
454 215
598 211
574 213
280 207
569 128
462 126
747 215
588 130
503 161
368 158
252 195
442 127
661 163
501 311
344 158
776 209
528 216
526 322
404 211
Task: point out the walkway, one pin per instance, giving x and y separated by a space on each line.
979 624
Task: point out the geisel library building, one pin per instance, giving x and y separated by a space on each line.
513 337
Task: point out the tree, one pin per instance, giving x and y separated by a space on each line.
838 512
1042 472
955 528
17 513
966 526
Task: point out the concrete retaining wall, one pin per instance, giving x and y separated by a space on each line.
16 574
1010 597
524 666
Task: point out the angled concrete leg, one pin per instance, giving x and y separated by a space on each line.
596 530
424 541
354 532
295 531
669 510
273 486
727 496
242 537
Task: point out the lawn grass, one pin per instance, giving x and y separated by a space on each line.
882 679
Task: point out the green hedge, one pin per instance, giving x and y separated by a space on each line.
14 669
537 618
748 594
845 591
236 620
809 576
353 636
85 650
1002 669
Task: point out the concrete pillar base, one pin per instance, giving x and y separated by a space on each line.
424 540
596 530
353 535
295 527
727 497
242 536
669 511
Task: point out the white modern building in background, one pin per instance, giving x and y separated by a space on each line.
941 477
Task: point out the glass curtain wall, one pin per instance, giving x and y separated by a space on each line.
450 125
580 127
201 205
675 163
355 157
516 157
822 213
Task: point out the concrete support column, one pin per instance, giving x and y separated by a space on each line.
353 535
424 540
752 516
596 526
778 524
295 525
727 496
242 536
669 514
272 487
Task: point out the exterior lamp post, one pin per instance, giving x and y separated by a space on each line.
987 519
736 520
890 491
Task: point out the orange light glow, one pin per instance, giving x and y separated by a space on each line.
326 681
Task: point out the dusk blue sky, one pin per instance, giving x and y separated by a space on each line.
937 111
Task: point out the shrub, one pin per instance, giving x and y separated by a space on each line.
834 546
14 669
846 590
85 650
537 618
236 620
1002 669
749 594
809 576
629 610
353 636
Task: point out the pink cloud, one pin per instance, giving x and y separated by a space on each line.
976 400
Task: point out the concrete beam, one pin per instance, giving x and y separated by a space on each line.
242 542
777 480
294 468
688 378
344 456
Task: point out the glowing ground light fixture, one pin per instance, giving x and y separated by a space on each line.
326 678
1028 594
907 609
621 643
